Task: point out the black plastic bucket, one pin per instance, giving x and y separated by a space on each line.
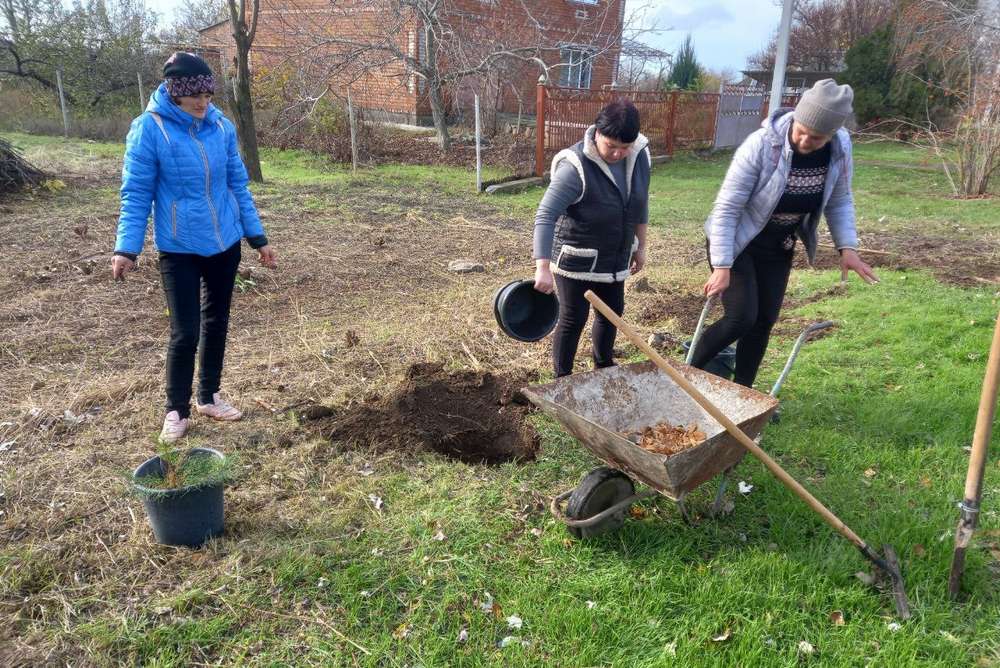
186 516
723 364
524 313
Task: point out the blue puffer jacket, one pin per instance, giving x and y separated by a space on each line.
193 172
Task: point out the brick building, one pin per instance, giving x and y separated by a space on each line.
579 39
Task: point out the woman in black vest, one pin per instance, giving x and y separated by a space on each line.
590 229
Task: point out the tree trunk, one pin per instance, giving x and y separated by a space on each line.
243 110
436 98
435 94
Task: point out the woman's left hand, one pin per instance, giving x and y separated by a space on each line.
266 256
850 260
638 260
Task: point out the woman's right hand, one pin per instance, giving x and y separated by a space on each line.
717 282
543 277
120 265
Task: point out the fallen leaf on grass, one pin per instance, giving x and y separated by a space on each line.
806 647
439 536
866 578
950 638
162 610
925 483
637 512
871 473
724 636
514 622
837 617
401 631
536 532
894 626
919 550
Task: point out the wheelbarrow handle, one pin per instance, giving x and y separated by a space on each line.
815 327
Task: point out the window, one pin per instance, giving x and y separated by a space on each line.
577 63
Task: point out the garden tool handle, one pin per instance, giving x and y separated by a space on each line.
984 421
730 426
698 329
969 516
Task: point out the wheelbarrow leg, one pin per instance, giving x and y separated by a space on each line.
682 506
720 494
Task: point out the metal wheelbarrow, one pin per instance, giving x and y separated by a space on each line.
601 406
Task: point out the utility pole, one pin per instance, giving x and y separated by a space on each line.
781 56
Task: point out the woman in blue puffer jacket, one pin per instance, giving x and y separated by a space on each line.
181 157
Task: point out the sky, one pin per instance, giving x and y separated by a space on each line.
724 32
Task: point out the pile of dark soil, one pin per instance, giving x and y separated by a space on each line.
471 416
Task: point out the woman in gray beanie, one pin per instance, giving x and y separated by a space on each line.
796 167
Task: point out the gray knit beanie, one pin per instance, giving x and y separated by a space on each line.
825 107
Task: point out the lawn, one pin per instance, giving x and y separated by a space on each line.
340 554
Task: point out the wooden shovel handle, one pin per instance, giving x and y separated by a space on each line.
730 426
984 421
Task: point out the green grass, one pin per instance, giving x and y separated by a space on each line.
875 418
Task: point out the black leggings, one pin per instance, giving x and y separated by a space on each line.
199 292
574 309
752 302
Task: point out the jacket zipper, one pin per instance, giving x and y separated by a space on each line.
173 217
208 188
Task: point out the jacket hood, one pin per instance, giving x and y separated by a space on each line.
161 103
778 122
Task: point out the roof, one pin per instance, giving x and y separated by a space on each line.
217 23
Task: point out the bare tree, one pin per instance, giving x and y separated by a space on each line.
243 35
823 30
962 37
641 67
435 48
191 16
98 45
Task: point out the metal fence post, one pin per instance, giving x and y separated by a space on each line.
672 123
479 155
62 102
540 127
142 93
354 132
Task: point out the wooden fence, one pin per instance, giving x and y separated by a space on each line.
675 119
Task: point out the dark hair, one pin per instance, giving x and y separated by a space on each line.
619 121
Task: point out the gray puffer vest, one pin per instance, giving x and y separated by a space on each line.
595 239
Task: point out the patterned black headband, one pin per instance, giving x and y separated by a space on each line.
187 86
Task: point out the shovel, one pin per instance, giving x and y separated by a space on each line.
977 464
889 565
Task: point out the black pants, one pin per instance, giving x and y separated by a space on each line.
752 302
199 292
574 309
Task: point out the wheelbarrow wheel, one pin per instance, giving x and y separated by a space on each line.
599 490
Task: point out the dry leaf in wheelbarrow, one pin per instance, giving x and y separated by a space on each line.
667 439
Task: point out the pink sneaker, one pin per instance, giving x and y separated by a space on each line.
174 427
219 409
